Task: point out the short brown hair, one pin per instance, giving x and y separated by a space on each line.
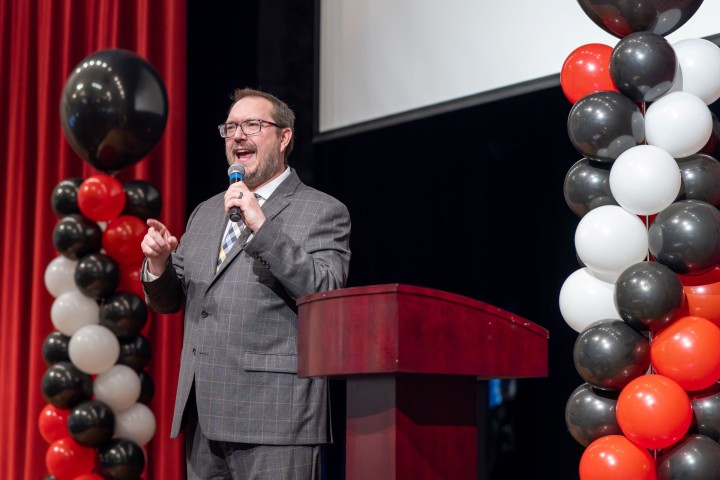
281 113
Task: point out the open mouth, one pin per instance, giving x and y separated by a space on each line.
244 153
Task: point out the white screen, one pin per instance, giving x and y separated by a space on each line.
383 57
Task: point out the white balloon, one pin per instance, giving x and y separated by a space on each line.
137 423
72 310
699 62
93 349
609 239
60 276
679 123
585 299
645 180
119 387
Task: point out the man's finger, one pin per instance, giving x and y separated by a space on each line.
156 224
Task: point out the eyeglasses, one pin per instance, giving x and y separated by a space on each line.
248 127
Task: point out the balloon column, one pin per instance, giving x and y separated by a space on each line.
97 419
646 300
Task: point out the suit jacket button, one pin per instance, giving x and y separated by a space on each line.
204 314
194 351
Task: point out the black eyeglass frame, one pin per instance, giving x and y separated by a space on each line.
224 126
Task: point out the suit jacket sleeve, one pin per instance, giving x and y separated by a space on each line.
167 293
319 262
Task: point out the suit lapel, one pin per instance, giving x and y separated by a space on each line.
277 202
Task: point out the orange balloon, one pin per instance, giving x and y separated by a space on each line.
614 456
653 411
586 70
704 301
688 351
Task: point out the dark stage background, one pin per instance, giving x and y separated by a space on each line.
469 202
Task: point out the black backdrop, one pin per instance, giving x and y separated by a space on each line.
469 202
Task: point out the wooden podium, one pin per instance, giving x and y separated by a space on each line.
412 357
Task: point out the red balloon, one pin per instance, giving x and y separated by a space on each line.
653 411
101 197
705 278
67 459
52 423
587 70
121 239
614 456
688 351
130 279
89 476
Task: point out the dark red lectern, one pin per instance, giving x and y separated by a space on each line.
412 357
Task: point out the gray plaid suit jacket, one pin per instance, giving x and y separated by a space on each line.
240 339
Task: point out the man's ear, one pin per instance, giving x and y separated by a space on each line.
285 137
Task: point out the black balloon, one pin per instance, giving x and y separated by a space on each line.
142 199
648 295
97 275
609 354
64 197
147 388
587 186
120 459
700 179
712 147
623 17
706 412
604 124
590 414
124 313
55 348
91 423
135 352
686 237
643 66
113 109
695 457
75 236
64 386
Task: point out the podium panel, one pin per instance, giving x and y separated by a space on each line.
411 357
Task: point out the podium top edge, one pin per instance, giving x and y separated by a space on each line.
399 288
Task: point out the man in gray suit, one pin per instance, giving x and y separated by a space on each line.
245 412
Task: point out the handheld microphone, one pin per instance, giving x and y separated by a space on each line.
236 172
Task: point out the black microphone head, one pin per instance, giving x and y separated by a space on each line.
236 172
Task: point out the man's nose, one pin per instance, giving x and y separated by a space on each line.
239 133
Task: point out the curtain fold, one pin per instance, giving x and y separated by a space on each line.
40 43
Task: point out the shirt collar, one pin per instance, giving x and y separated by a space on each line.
266 190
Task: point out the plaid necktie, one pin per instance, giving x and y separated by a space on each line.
231 237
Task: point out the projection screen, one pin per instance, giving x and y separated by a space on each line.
387 61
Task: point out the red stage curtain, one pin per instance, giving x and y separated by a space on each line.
40 43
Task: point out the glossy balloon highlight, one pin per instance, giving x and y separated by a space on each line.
587 186
603 125
113 109
658 398
686 237
621 18
643 66
648 295
609 354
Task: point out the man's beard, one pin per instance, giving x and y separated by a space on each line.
266 170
